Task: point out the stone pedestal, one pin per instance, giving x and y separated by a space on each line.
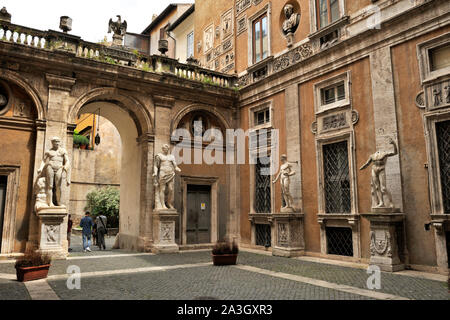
289 236
164 231
386 239
290 40
52 235
117 40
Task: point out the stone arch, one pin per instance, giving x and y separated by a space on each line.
198 107
32 92
141 116
133 121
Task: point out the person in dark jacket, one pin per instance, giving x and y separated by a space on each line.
86 223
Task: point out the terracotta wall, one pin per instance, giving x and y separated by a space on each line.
364 144
413 156
278 122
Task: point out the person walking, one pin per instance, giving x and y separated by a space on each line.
101 231
86 223
69 232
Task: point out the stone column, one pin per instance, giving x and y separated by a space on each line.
145 243
163 221
292 109
59 101
385 117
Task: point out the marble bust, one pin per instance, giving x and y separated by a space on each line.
292 20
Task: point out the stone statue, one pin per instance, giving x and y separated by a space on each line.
41 195
292 20
285 173
118 27
378 181
56 161
164 171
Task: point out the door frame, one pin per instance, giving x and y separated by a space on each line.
207 181
9 214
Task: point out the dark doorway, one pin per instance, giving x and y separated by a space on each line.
3 183
198 220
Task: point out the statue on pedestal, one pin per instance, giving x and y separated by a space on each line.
285 173
164 171
378 181
291 23
56 161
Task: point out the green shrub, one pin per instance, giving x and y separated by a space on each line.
80 140
105 201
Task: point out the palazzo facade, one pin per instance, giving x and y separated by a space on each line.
333 81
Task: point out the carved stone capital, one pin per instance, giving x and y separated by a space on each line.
439 226
71 128
163 101
145 138
59 82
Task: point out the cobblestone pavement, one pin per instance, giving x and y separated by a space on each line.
167 277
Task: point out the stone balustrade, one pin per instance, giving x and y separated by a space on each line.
59 41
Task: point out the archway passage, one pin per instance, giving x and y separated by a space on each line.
130 165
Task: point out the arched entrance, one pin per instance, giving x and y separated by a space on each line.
133 123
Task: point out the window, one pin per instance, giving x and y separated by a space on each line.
443 141
263 236
262 186
262 117
333 93
327 12
339 241
190 45
336 178
439 57
260 39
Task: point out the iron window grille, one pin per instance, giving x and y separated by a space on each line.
336 178
262 186
339 241
263 235
443 141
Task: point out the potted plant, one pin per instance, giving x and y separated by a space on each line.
80 141
225 253
32 265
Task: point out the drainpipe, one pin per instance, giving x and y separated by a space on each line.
175 43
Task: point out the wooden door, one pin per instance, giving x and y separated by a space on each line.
198 220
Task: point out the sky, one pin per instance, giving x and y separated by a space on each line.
89 17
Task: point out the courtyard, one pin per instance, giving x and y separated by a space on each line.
190 275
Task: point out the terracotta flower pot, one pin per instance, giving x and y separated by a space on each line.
32 273
83 146
224 259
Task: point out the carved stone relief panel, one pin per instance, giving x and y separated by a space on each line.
226 22
241 24
380 243
438 94
227 45
283 234
334 121
242 5
21 109
208 38
167 231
